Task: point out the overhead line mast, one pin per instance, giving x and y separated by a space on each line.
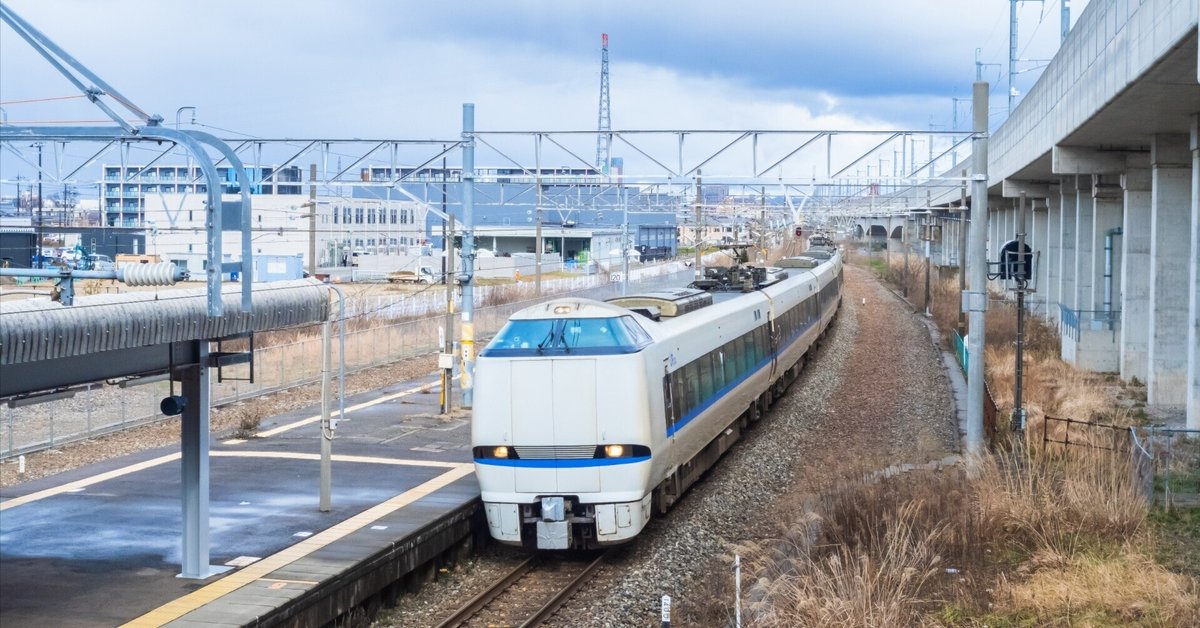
604 123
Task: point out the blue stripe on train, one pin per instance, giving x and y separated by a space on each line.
569 463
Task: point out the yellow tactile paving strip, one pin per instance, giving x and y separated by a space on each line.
259 570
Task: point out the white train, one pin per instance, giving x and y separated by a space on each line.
589 415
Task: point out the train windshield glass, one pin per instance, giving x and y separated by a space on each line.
568 336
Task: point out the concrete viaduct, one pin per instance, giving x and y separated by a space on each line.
1106 149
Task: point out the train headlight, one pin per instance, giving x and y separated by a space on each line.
614 451
500 452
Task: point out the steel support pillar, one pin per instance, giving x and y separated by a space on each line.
194 444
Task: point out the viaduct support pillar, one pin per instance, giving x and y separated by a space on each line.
1170 253
1135 270
1193 341
1052 259
1107 201
1040 303
1066 245
1084 221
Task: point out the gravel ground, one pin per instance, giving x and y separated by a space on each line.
853 408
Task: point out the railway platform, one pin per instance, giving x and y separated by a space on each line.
101 545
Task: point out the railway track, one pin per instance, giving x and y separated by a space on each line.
528 595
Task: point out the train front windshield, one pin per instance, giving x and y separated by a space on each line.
568 336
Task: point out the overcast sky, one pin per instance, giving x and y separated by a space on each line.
358 68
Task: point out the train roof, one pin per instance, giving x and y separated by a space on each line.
668 303
576 307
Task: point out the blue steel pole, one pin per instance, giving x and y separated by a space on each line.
468 256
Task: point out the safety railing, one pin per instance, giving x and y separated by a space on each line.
1071 321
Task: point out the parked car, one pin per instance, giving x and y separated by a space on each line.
101 262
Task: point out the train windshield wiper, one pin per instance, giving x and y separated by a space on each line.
556 337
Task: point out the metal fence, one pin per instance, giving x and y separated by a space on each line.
105 409
1165 461
1072 321
1175 456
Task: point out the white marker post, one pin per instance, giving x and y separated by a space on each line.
666 611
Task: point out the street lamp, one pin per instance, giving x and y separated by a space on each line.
180 111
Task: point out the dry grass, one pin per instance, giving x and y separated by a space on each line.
1017 539
1102 590
1031 536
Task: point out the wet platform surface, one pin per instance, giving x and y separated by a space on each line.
102 545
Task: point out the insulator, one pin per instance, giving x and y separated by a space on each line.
164 274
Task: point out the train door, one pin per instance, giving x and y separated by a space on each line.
573 394
533 423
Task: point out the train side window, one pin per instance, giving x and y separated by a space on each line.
706 377
733 361
691 379
718 365
679 396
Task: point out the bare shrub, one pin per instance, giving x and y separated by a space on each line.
245 419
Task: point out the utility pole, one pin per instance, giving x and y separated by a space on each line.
537 229
448 342
625 243
928 238
1065 21
1012 50
312 220
962 254
699 256
467 345
446 263
40 224
1012 54
975 301
904 243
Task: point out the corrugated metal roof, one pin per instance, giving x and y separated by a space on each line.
35 330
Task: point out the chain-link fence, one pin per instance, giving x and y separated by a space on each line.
1175 456
371 340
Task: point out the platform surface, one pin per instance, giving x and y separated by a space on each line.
101 545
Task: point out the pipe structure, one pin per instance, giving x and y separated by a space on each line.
1108 272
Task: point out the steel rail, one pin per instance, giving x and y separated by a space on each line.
477 603
565 594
